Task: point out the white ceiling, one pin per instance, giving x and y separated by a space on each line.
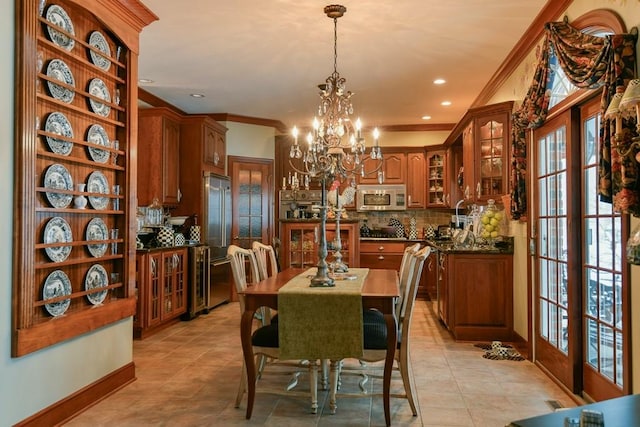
265 58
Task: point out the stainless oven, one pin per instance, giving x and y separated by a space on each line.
381 198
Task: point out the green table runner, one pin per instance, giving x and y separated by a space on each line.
321 323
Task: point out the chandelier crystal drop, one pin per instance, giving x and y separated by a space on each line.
335 150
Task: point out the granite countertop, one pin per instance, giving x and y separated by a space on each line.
317 220
504 246
167 248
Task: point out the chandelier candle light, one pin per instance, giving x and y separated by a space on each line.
335 147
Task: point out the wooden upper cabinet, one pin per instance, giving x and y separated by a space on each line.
159 151
394 169
486 152
202 151
437 178
214 145
416 184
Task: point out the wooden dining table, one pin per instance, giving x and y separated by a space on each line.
380 291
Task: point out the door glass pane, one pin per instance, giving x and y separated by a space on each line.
606 351
542 157
590 190
553 239
564 332
552 195
553 325
544 237
617 243
544 274
542 189
553 281
243 227
591 299
544 319
592 343
619 366
562 196
591 240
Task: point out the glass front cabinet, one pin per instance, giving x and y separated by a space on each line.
300 242
486 152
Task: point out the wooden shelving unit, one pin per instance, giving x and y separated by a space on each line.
87 269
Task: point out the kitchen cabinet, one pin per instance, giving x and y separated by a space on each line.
300 243
443 288
437 178
486 152
159 155
75 121
161 277
394 169
381 254
202 151
475 295
427 288
416 184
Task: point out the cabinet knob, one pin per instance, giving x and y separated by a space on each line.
381 257
381 248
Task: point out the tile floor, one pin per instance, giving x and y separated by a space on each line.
188 375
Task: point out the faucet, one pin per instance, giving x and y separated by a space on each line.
460 202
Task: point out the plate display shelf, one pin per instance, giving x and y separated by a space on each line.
74 269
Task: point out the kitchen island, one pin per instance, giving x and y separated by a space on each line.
475 290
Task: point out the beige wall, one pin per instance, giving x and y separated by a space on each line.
245 140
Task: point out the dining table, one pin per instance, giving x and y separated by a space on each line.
380 291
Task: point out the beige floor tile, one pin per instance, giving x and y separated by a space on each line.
188 376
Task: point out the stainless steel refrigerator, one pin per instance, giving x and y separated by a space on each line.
217 235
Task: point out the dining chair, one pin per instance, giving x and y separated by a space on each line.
266 259
265 339
375 339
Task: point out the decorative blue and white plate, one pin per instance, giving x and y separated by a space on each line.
97 230
59 124
56 285
96 278
99 89
58 17
58 177
97 135
97 183
97 40
60 71
58 230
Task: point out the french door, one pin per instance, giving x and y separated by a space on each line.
252 199
557 331
581 295
605 302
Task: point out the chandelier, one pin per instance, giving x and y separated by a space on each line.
335 149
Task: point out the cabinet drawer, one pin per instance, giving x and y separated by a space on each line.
381 260
386 247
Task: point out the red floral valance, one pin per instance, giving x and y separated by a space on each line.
589 62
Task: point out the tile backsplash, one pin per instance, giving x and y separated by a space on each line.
423 217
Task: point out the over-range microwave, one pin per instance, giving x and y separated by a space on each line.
381 198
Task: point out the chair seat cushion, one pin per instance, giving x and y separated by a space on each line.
266 336
374 330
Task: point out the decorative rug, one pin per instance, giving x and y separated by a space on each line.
499 351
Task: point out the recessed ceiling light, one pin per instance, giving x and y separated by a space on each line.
445 103
197 95
439 81
426 117
145 81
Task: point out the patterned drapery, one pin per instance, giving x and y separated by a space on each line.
589 62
